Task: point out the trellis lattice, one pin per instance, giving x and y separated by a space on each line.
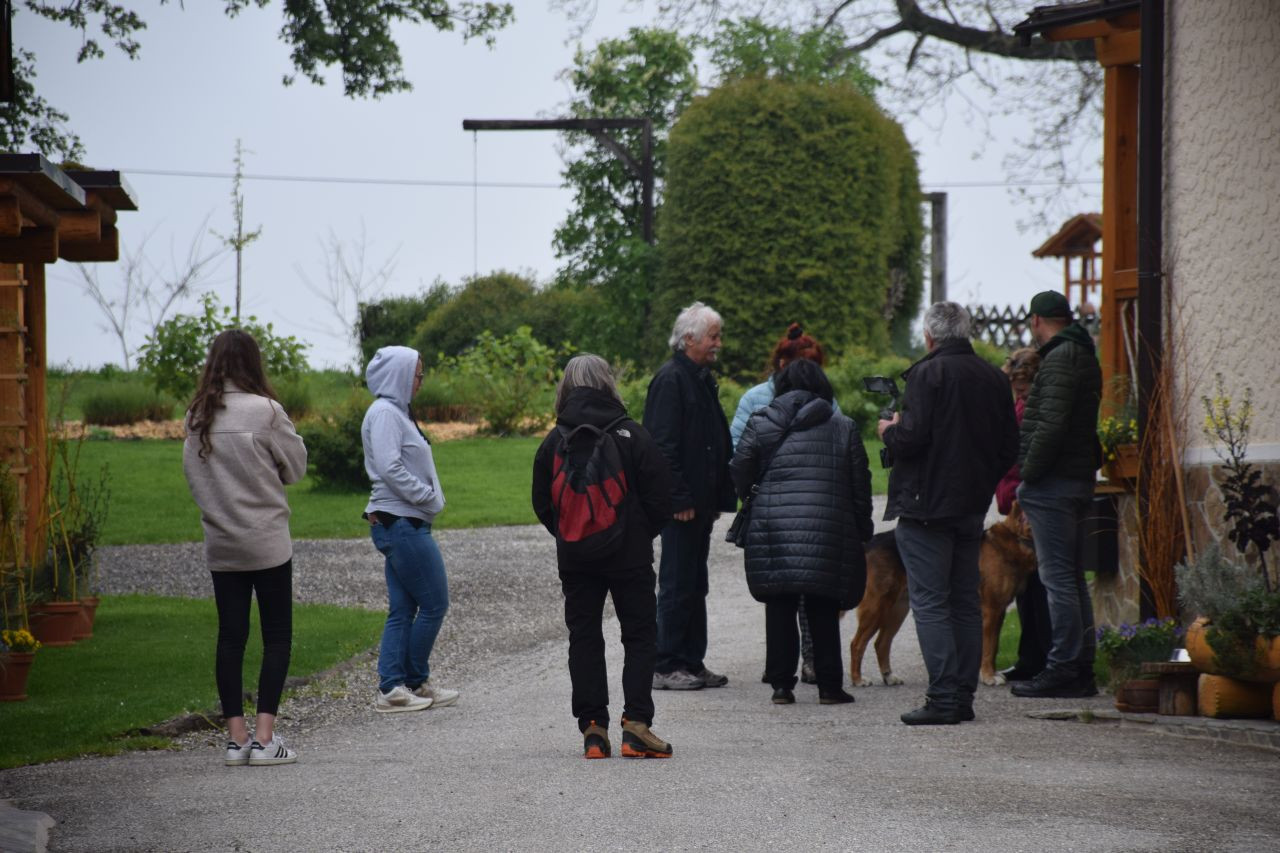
1008 327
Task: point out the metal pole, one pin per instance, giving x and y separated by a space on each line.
937 247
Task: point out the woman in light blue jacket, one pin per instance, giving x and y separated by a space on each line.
406 497
795 344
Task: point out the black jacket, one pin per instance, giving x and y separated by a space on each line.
957 438
648 504
1060 424
682 412
813 508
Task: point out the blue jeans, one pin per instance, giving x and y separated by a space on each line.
1056 508
417 599
682 594
941 559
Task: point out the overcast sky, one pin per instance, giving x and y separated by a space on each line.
203 80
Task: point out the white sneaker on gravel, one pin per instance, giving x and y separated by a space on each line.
400 698
677 680
441 697
272 752
237 755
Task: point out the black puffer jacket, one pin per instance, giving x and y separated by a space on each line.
813 509
1060 424
957 437
648 504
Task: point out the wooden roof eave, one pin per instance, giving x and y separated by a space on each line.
47 213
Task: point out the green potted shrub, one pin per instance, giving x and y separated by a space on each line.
1124 649
17 652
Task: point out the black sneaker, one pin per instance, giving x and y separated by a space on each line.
834 697
964 714
711 679
1053 685
595 742
931 714
783 696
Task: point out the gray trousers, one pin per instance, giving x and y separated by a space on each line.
1056 508
941 558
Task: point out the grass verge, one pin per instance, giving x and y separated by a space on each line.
151 659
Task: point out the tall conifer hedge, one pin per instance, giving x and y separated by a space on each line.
788 202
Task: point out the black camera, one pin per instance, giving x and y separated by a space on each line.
884 385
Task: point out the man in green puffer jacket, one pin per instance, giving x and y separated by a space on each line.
1059 457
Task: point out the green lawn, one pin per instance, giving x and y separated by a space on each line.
486 482
149 660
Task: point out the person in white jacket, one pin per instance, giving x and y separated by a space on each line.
240 452
405 498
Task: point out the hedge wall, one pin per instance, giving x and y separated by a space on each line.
789 202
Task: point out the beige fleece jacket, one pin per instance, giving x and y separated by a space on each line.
239 486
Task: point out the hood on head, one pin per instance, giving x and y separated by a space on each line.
589 406
390 373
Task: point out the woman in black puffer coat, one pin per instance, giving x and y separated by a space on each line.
809 517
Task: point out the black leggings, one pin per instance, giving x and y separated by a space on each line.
232 592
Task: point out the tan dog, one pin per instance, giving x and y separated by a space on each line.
1004 563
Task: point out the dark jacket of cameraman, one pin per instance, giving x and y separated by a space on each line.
1060 426
957 437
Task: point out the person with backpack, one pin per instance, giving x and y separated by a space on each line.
602 488
405 499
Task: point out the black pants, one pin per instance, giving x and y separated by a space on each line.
682 594
1037 632
782 641
232 592
636 606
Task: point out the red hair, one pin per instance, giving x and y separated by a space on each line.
796 344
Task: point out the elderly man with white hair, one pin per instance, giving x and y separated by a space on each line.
682 412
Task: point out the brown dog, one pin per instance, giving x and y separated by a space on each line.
1004 563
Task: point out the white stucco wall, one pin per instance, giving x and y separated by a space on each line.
1222 205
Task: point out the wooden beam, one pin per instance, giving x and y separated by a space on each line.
35 410
1120 48
1073 32
95 201
10 216
1119 217
105 249
32 208
34 246
1125 283
79 226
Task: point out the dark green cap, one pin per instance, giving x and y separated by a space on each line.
1050 303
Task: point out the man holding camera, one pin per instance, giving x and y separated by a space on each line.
954 439
1059 460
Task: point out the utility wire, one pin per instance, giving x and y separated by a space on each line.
427 182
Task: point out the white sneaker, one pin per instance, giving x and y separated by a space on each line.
441 697
400 698
272 752
237 755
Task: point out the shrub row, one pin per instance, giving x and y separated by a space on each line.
126 403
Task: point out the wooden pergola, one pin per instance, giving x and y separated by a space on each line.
1076 242
46 214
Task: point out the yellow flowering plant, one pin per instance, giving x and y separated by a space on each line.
19 640
1114 431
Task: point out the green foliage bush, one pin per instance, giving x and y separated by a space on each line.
488 303
335 452
446 395
395 320
126 403
517 375
296 395
990 353
174 355
790 201
846 374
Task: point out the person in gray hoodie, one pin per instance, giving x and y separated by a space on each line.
240 452
405 498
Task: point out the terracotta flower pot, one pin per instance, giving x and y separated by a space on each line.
88 609
55 623
1139 696
1220 696
1124 468
1266 655
14 669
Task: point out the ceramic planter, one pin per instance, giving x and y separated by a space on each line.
14 669
1266 655
1220 696
55 623
88 609
1123 470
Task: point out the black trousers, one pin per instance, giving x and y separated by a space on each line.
682 594
1037 632
782 641
232 592
636 606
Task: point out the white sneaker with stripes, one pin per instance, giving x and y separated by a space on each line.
237 755
272 752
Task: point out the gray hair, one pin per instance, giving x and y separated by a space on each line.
947 321
693 321
586 371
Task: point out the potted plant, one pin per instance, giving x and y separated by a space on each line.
1237 633
17 652
1118 436
1124 649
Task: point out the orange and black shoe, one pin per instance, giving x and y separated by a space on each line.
639 742
595 742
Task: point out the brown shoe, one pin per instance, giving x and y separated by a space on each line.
595 742
639 742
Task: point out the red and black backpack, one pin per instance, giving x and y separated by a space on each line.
588 487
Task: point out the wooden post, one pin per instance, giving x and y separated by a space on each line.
34 410
1119 219
937 247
